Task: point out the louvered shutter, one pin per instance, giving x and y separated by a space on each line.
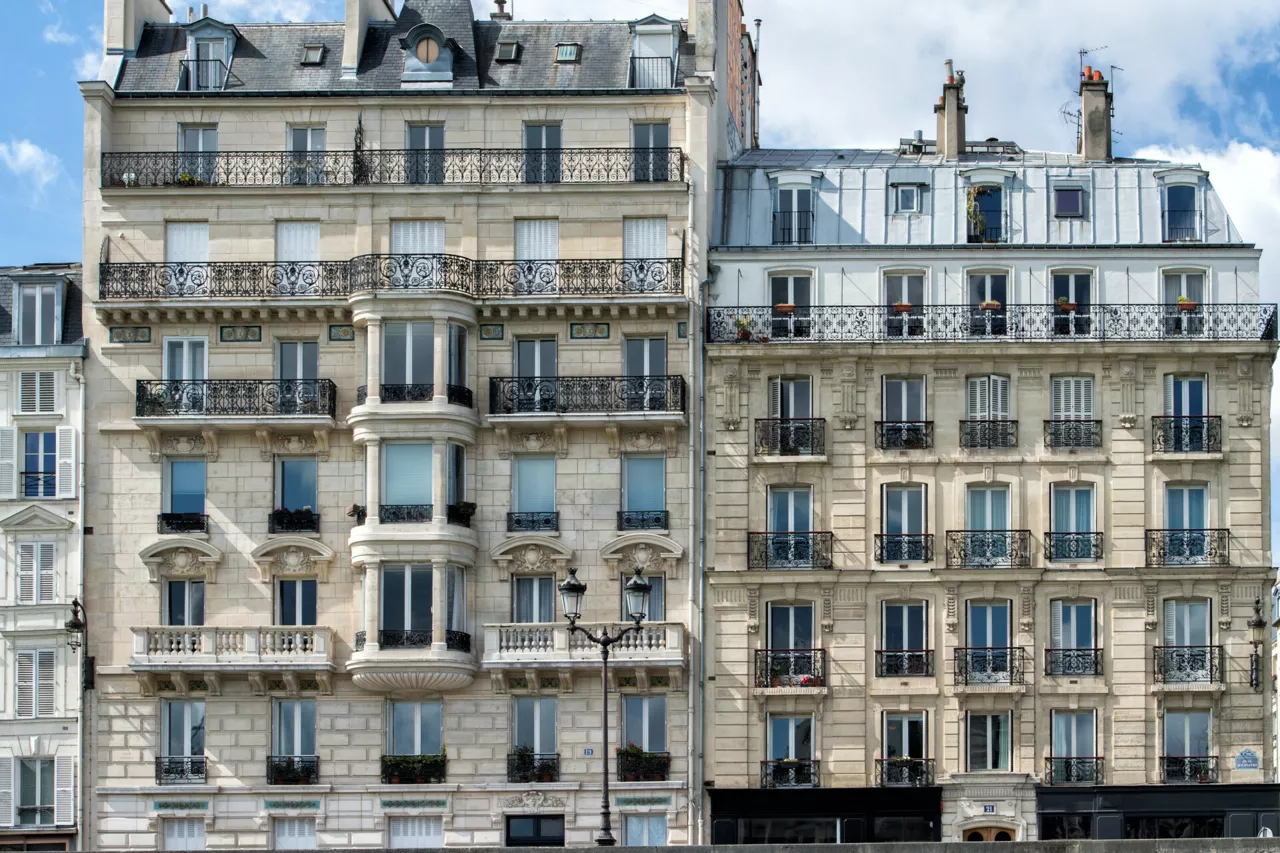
65 480
1170 622
417 237
979 409
184 834
884 516
8 462
1059 393
537 239
1168 394
26 692
64 787
644 238
44 572
924 507
999 398
46 679
6 791
1055 624
186 242
37 391
26 573
775 397
416 832
297 241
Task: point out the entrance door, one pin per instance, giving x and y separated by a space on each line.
988 833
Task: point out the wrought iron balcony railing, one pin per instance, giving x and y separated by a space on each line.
1073 661
905 772
528 766
1200 547
225 279
643 766
790 773
1181 226
293 770
1188 768
388 167
988 232
533 522
644 276
404 513
414 769
892 663
904 435
1062 547
643 519
271 398
792 227
293 521
791 436
460 513
182 522
401 639
202 75
422 392
994 665
1070 771
808 549
988 435
38 484
988 549
181 770
585 394
904 547
652 72
791 668
1032 322
1188 664
457 641
1072 434
460 395
1201 434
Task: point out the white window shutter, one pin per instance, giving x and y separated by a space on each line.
978 391
1168 393
775 397
65 479
46 680
999 398
297 241
37 391
186 242
1086 398
1059 394
44 572
1055 624
48 390
26 699
64 790
537 239
8 462
644 238
6 791
26 573
417 237
1170 622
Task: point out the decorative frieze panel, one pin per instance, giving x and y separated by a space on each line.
531 554
642 441
541 441
271 443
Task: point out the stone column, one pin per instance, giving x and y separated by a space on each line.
372 603
373 478
439 481
373 361
441 335
439 603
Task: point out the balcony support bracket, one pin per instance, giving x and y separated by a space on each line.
214 680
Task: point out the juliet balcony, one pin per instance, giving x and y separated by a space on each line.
194 171
1189 547
598 400
905 772
1201 434
289 653
788 669
791 437
516 652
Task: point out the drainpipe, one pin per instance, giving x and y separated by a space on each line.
82 839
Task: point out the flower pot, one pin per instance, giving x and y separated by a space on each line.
1066 306
990 306
785 308
777 681
395 780
1188 306
744 335
902 307
764 339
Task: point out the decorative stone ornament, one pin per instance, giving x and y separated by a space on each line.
531 553
180 557
649 552
292 556
544 441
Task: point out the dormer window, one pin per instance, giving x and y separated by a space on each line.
313 54
567 53
507 51
211 45
428 55
1068 202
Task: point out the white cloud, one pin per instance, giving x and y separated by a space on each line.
88 64
28 160
55 34
270 10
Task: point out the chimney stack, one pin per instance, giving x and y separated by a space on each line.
191 14
951 111
204 10
502 14
1095 117
359 14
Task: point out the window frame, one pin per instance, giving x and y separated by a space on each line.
166 497
648 714
299 594
1079 190
185 342
568 52
794 722
657 593
417 706
41 808
279 707
917 194
627 476
278 465
516 462
1058 713
188 584
1061 606
906 382
968 743
312 54
1073 488
388 466
906 717
407 368
166 727
1187 714
539 703
537 598
407 604
20 313
905 606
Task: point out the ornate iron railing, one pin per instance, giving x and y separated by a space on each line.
163 398
414 769
791 668
457 641
182 522
293 521
652 72
791 436
641 276
1062 547
1201 434
904 547
202 75
994 665
1066 433
422 392
460 395
905 772
1035 322
411 166
1181 226
643 766
404 513
585 394
38 484
1199 547
181 770
892 663
1068 771
792 227
988 549
987 435
1188 664
293 770
460 513
643 519
790 773
523 766
808 549
225 279
401 639
1073 661
987 232
413 272
904 435
1188 768
533 522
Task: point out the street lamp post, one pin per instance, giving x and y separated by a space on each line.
1256 628
78 634
636 596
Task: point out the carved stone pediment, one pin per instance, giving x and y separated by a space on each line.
555 438
271 443
180 558
653 554
531 554
292 556
35 519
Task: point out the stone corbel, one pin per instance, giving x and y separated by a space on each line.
753 609
503 436
179 681
562 441
290 680
258 683
1028 609
153 442
675 678
214 680
642 681
670 433
498 681
951 610
325 681
828 615
210 444
322 443
1224 606
1150 595
147 683
566 680
611 436
1244 419
264 443
732 373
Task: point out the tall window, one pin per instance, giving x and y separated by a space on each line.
199 147
640 830
39 464
790 626
185 359
1071 399
790 738
986 214
295 727
1188 286
406 606
297 241
644 238
184 602
35 801
1071 628
905 629
644 722
905 735
988 398
416 728
790 397
38 315
793 216
35 572
904 400
542 153
535 724
652 141
537 243
1186 634
1186 539
210 72
988 303
184 486
457 372
988 655
904 297
904 521
36 682
1073 734
791 297
306 155
457 486
408 360
183 729
1181 222
424 160
791 510
296 601
1184 429
1071 293
407 478
1072 523
535 599
296 482
645 364
1186 733
534 484
535 375
989 742
644 483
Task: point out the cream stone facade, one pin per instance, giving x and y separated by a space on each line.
988 496
399 333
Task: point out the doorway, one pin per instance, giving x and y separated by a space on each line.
988 833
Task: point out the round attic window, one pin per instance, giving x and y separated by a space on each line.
427 51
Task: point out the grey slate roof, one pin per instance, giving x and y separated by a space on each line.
11 277
862 158
268 56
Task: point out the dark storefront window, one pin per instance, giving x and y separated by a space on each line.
535 831
1064 827
905 828
1178 826
788 830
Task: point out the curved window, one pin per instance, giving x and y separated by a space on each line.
427 55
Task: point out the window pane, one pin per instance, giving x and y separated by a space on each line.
187 477
633 720
423 369
393 593
408 474
644 476
524 721
297 483
547 725
420 599
28 315
402 728
46 316
395 347
307 728
429 740
288 602
657 724
535 484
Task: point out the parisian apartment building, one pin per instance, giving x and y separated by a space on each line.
988 505
42 397
392 325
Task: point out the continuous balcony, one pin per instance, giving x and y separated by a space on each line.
904 663
1188 664
990 665
904 772
588 399
952 323
1072 434
1073 662
248 651
1192 547
414 769
1060 547
791 668
904 435
408 661
988 435
1184 769
988 549
513 651
1200 434
410 167
785 549
244 400
1073 771
790 773
222 279
903 547
791 437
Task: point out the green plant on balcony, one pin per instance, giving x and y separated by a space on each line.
636 765
186 179
546 770
743 325
521 764
977 221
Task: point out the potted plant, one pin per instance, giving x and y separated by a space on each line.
1185 304
775 674
977 222
744 328
902 307
629 758
1064 304
785 308
764 339
186 179
989 305
545 771
522 764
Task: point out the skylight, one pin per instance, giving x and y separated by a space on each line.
566 53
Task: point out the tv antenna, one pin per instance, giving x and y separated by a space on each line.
1084 51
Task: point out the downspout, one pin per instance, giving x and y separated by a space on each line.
77 373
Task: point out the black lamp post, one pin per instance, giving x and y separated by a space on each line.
636 595
1256 628
78 635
